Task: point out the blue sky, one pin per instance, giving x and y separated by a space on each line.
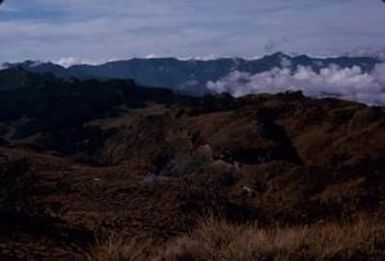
101 30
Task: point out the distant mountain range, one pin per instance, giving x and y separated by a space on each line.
190 76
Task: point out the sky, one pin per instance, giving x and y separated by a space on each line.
95 31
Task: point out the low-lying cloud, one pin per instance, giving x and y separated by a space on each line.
345 83
69 61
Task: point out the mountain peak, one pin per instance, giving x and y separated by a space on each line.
280 55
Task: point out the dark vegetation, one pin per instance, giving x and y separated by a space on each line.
107 170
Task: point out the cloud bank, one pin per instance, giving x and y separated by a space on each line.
344 83
69 61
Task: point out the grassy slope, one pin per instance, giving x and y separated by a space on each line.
146 166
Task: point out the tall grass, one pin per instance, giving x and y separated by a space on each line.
219 240
113 247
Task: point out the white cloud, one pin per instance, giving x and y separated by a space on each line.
285 62
373 51
69 61
345 83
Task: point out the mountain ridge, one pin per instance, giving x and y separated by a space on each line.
191 76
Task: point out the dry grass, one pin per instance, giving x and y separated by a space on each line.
219 240
215 240
112 247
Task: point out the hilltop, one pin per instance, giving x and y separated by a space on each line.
82 159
